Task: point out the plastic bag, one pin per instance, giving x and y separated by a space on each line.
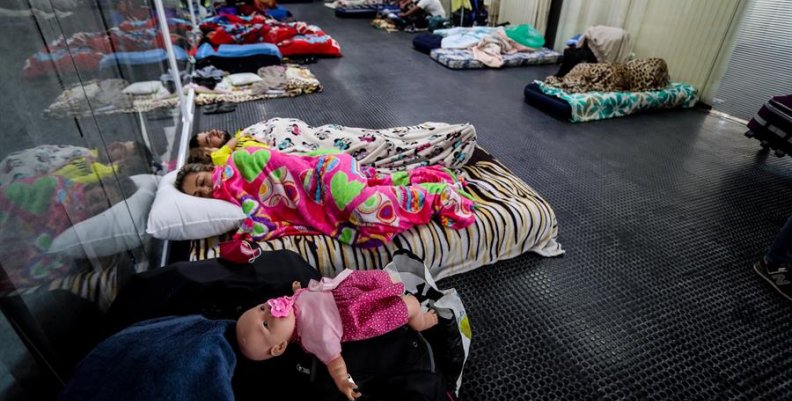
452 342
525 35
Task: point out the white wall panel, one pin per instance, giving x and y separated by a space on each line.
532 12
687 34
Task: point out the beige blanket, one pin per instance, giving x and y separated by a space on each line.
609 44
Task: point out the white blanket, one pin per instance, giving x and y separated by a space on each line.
391 149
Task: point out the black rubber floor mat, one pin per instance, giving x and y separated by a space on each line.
662 215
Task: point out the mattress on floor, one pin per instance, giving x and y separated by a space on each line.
591 106
511 219
462 59
363 10
551 105
426 42
238 58
141 65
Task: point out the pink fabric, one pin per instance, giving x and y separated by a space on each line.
284 194
356 305
318 329
370 305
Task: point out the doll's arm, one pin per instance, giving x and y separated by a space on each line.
338 371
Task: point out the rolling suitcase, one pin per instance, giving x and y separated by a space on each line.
772 125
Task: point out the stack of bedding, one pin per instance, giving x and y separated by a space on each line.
291 38
481 47
112 96
269 83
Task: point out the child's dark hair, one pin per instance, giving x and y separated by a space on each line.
194 139
189 169
200 156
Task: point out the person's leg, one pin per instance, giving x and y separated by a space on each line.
418 320
776 265
780 252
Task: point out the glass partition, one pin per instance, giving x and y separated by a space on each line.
91 118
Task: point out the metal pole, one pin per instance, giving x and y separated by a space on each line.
174 69
192 16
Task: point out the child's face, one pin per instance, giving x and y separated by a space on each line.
212 139
261 335
198 184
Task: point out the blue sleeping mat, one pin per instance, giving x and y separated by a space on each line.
139 66
551 105
238 58
364 10
427 42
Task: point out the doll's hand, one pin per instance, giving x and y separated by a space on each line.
296 286
348 388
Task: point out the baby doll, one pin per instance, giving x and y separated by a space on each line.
356 305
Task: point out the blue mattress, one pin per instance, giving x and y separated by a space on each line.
238 58
427 42
364 10
144 57
138 66
551 105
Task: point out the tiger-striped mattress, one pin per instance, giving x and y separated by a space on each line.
511 218
99 285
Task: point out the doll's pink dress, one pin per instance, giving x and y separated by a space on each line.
355 305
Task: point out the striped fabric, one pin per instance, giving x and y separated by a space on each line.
99 286
511 219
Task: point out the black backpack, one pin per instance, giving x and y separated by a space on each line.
574 56
400 365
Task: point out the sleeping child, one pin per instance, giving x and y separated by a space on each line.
215 146
387 149
283 194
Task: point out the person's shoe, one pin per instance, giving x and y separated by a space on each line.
780 277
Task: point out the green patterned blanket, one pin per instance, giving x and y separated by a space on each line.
592 106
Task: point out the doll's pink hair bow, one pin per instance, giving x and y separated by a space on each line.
280 307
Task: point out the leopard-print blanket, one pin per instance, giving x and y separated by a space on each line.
635 75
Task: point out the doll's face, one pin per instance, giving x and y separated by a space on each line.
261 335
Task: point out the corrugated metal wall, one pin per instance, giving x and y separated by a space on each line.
688 34
760 65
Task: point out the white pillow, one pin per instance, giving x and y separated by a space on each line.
178 216
143 88
115 230
243 78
